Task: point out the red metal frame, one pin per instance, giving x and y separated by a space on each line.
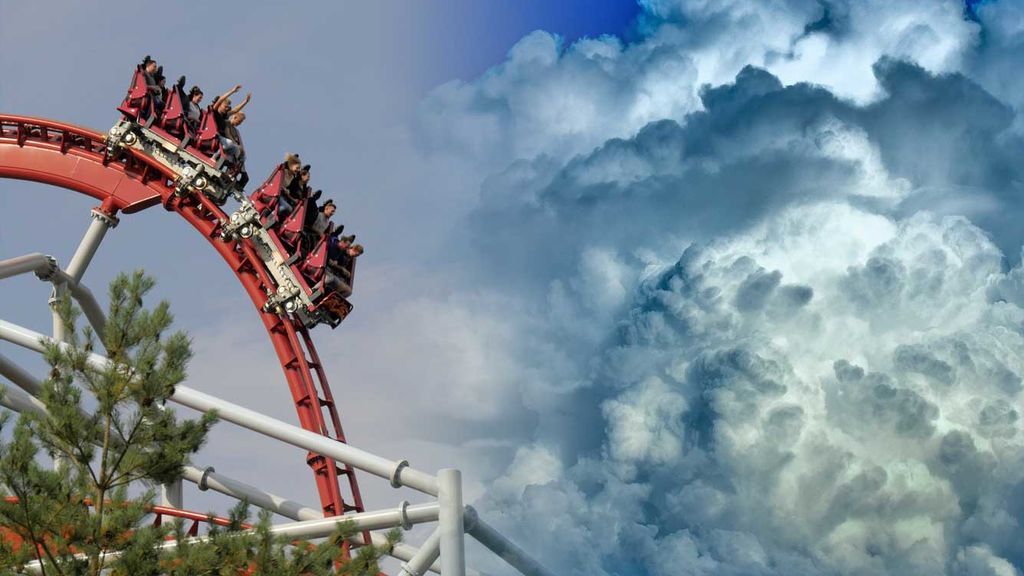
75 158
158 512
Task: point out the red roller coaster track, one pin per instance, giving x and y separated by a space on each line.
75 158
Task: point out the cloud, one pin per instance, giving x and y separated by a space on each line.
768 314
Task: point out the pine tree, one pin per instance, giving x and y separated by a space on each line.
106 429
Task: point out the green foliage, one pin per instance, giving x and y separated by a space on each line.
107 428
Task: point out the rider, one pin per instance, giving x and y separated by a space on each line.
291 167
193 112
339 273
149 72
322 222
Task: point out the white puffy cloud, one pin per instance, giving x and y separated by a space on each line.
549 99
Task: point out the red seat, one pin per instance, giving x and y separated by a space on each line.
266 197
173 118
290 231
314 264
138 103
206 140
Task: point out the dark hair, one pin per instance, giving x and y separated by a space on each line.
195 90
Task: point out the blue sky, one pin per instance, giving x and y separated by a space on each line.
736 289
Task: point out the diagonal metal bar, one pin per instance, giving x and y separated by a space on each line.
27 382
46 268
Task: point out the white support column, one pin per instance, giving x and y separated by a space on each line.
424 557
171 495
90 243
81 293
450 524
54 302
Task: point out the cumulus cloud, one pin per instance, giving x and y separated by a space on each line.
761 292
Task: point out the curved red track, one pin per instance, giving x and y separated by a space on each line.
74 158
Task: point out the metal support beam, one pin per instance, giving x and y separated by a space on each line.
397 472
450 525
90 243
18 401
81 293
18 375
375 520
23 264
208 479
425 556
503 547
404 515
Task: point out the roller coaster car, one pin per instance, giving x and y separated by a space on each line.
319 301
196 159
330 305
300 276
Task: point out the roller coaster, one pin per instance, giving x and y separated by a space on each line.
150 158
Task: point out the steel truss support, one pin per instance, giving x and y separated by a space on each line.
458 519
207 479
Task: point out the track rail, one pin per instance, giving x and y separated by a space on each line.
75 158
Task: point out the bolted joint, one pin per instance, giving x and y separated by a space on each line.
202 480
396 474
403 512
47 272
100 215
